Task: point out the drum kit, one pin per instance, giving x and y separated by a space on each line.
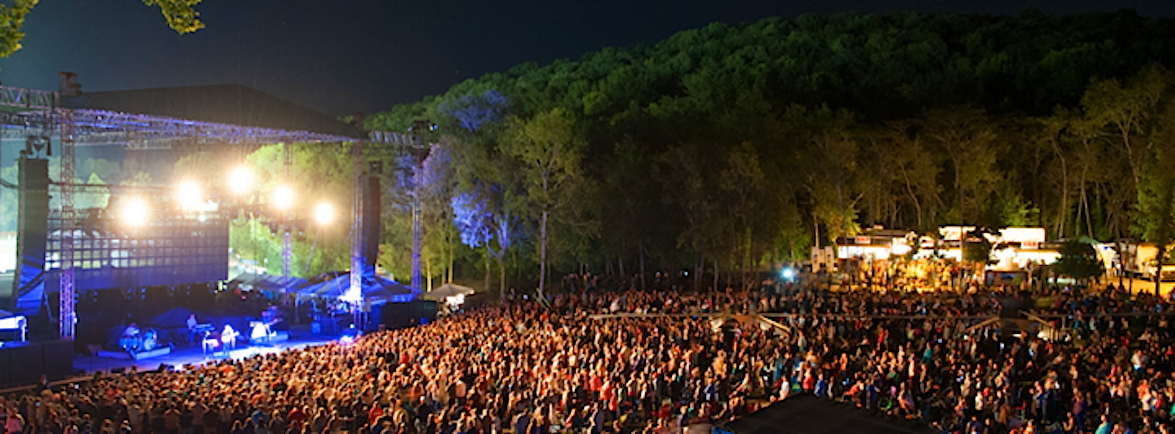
136 343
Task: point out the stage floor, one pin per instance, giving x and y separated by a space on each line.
191 355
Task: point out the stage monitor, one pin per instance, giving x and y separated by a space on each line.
400 315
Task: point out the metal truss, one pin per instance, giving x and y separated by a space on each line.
28 99
66 299
25 112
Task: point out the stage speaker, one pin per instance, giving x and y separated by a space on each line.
6 368
31 230
401 315
28 363
371 221
58 357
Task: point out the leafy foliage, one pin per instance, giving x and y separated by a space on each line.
740 145
181 16
977 249
11 20
1078 260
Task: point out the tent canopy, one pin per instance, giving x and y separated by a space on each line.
448 290
376 289
808 414
268 282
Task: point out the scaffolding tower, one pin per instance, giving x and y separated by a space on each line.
58 114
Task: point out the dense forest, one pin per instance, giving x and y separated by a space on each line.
738 146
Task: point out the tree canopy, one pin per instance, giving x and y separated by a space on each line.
732 147
181 16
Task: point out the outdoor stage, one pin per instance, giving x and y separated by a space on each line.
193 355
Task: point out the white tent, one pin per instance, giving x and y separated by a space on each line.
441 293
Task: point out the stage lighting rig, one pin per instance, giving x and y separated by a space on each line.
240 180
135 212
324 213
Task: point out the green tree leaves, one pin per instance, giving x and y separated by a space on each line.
11 20
181 15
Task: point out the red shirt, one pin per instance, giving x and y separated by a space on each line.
296 416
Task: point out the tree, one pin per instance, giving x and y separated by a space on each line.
742 180
977 248
92 198
480 225
1156 190
549 150
11 20
683 173
910 165
832 164
968 140
1079 259
181 16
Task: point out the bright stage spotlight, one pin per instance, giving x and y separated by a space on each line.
189 195
283 197
240 180
324 213
135 212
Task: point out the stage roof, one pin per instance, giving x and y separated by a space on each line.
807 414
232 104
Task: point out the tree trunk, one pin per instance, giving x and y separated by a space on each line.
715 274
747 260
543 256
502 273
699 268
816 226
487 278
641 250
1159 269
428 272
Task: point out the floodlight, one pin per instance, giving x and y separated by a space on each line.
283 197
324 213
189 195
135 212
240 180
789 273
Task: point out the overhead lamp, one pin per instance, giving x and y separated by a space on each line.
283 197
240 180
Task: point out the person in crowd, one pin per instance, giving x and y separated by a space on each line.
529 366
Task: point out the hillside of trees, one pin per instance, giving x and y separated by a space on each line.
738 146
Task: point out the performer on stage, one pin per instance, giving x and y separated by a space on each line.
228 337
130 338
131 331
192 323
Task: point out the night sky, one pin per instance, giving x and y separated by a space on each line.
343 56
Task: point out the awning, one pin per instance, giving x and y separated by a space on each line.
376 289
267 282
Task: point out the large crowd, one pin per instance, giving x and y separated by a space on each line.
695 358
